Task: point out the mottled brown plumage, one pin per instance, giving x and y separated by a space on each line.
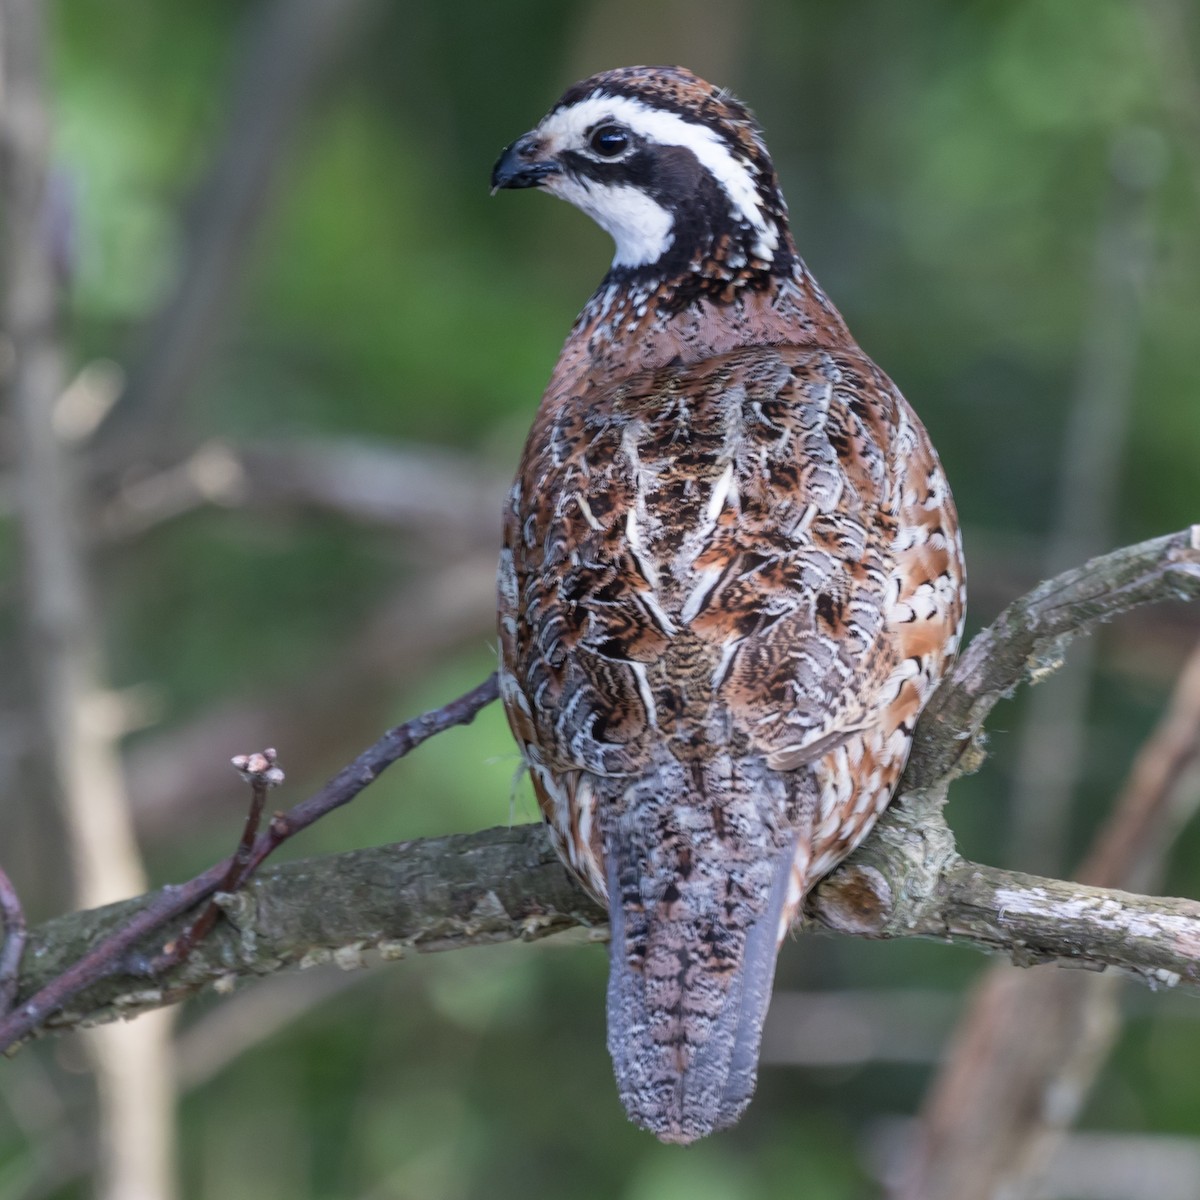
731 577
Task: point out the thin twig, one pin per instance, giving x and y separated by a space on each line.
262 772
12 948
108 956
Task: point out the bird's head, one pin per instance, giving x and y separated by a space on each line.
673 168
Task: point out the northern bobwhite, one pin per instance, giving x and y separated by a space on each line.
731 577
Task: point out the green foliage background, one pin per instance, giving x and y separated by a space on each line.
949 170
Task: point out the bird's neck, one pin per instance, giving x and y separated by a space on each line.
629 326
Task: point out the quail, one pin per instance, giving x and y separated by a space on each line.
731 577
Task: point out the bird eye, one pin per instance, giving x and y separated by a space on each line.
609 140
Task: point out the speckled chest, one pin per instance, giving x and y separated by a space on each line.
665 525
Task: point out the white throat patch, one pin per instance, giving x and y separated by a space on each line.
641 228
567 130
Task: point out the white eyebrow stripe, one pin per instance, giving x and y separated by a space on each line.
569 125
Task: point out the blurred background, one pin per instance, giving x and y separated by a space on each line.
298 348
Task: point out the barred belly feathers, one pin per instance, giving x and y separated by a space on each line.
731 578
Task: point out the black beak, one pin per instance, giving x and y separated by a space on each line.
520 166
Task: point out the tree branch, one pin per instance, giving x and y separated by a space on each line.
907 880
1035 920
103 955
433 894
507 884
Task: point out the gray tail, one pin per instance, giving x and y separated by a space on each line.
688 988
